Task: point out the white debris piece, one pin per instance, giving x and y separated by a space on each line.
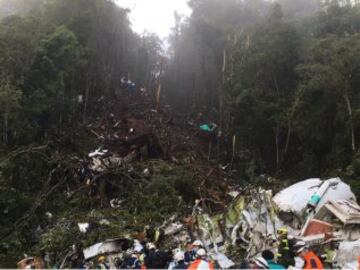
138 246
173 228
295 198
106 247
223 261
234 193
104 222
347 255
116 203
98 152
83 227
146 172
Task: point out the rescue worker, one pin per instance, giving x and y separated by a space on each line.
123 82
285 255
189 255
179 259
259 263
102 263
268 255
201 261
156 259
134 261
196 245
310 259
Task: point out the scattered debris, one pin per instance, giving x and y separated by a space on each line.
314 226
108 247
347 256
296 201
347 212
104 222
116 203
49 215
31 263
83 227
98 152
223 261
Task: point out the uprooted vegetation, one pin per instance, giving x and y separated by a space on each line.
135 180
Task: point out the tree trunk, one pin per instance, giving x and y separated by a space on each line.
6 126
288 137
349 109
277 131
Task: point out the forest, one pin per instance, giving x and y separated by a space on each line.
280 79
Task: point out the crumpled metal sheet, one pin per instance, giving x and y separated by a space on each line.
347 255
106 247
250 219
296 198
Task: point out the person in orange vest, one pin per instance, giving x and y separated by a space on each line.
201 261
310 259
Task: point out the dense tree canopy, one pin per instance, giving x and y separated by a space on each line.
282 77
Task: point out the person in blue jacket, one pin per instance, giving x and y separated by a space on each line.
268 255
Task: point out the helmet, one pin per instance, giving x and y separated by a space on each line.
137 250
198 243
179 256
261 262
299 246
282 231
151 246
201 252
101 259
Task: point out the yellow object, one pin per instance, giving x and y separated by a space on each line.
282 231
101 259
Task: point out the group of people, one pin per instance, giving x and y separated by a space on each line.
149 257
291 255
127 84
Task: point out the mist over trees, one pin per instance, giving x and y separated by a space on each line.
283 77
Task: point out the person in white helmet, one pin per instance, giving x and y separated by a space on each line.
201 261
156 259
259 263
196 245
179 259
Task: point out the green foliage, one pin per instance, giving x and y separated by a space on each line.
288 88
171 189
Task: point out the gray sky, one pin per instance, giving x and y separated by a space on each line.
154 15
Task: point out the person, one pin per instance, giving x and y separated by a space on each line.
189 255
285 255
123 82
179 259
259 263
196 245
201 261
102 263
268 255
134 261
309 258
156 259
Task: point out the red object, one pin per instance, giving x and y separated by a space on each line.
312 261
316 226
